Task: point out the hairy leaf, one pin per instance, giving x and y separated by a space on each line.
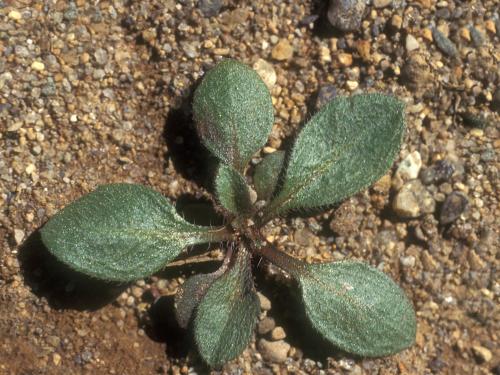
233 112
267 173
232 191
347 145
121 232
226 316
358 308
189 296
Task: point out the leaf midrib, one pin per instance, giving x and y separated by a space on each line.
311 178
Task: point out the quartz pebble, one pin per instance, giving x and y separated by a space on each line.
18 236
409 168
413 200
266 71
411 43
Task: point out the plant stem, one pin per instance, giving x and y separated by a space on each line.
284 261
220 234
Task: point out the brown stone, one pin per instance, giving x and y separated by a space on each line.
282 51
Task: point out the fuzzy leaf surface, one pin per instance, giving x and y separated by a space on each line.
232 191
233 112
189 296
226 316
121 232
267 173
358 308
349 144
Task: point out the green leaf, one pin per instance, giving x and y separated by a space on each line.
358 308
232 191
349 144
121 232
189 296
233 112
226 317
267 173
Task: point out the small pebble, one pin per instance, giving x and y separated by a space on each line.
482 353
444 44
477 37
410 167
266 325
454 205
56 359
381 3
18 236
344 59
325 94
101 56
413 200
210 8
266 71
265 303
278 333
30 169
274 351
346 15
38 66
352 85
15 15
408 261
441 171
282 51
397 21
411 43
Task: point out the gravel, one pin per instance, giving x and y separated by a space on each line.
95 92
346 15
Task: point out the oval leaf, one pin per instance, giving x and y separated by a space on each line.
267 173
121 232
349 144
226 317
189 296
358 308
232 191
233 112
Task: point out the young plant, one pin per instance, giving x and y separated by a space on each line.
125 232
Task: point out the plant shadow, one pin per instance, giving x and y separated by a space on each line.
161 325
61 286
189 157
288 312
199 211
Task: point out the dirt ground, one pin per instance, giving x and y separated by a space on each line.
94 92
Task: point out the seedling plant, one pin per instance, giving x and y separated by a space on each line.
125 232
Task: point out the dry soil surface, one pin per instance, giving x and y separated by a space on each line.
94 92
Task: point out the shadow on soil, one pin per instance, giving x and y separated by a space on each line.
161 325
61 286
190 158
288 312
